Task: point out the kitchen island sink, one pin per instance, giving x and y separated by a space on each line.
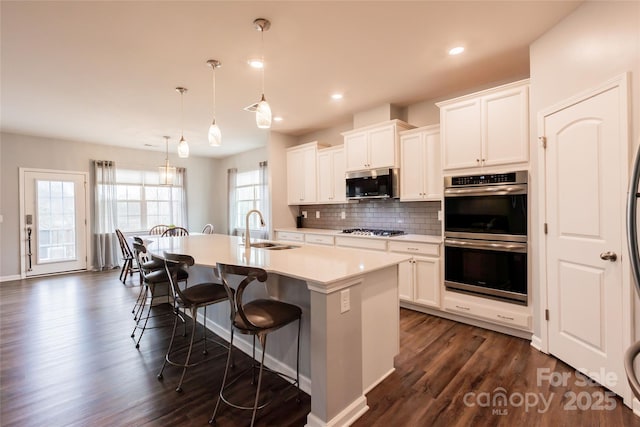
272 246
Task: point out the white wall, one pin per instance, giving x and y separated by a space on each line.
600 40
35 152
281 214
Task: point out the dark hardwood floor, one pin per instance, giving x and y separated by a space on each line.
67 359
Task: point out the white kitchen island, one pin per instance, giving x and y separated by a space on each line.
350 308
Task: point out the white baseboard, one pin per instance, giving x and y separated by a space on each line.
10 278
245 347
536 342
346 417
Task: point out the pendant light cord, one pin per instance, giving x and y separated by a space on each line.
262 59
213 69
182 115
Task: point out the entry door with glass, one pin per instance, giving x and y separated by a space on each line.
54 213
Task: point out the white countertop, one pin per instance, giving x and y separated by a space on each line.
321 264
423 238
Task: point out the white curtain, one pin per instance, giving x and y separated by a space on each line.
265 206
104 223
232 180
181 182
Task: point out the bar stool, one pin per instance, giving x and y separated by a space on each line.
151 278
258 318
144 263
192 298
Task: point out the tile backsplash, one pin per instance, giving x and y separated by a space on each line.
410 217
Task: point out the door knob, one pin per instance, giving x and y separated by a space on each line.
609 256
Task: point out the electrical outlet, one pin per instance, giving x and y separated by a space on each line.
343 215
304 214
440 215
317 214
345 300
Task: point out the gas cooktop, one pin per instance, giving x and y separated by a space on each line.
372 232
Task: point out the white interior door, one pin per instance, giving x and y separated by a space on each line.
54 218
585 187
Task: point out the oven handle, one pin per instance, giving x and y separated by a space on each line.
493 190
487 246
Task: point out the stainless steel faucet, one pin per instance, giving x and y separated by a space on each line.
247 238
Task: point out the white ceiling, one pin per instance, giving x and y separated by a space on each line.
106 72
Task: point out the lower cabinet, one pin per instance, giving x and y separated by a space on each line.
419 277
493 311
290 236
419 281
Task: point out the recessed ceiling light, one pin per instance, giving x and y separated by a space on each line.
336 96
256 63
456 50
277 118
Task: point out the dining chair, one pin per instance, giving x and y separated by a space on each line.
127 256
152 278
208 229
190 298
258 317
175 231
158 229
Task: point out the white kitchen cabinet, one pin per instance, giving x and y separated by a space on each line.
301 174
494 311
289 236
486 129
373 147
420 170
331 175
419 277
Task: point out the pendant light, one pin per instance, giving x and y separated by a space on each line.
167 173
183 147
215 136
263 110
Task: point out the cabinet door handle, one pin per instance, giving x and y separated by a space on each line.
462 307
477 160
500 316
413 249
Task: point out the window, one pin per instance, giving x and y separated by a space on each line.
142 202
249 190
247 197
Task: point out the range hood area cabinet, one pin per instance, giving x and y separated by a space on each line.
302 173
487 128
420 170
374 147
331 173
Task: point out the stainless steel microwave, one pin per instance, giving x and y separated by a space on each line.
373 184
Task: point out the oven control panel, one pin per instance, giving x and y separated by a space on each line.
519 177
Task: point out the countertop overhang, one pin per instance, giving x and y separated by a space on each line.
312 263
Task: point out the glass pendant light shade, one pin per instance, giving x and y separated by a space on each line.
183 148
166 172
215 136
263 114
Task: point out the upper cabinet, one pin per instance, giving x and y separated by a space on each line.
420 171
301 174
373 147
486 129
331 175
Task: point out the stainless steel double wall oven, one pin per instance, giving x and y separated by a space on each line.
485 229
